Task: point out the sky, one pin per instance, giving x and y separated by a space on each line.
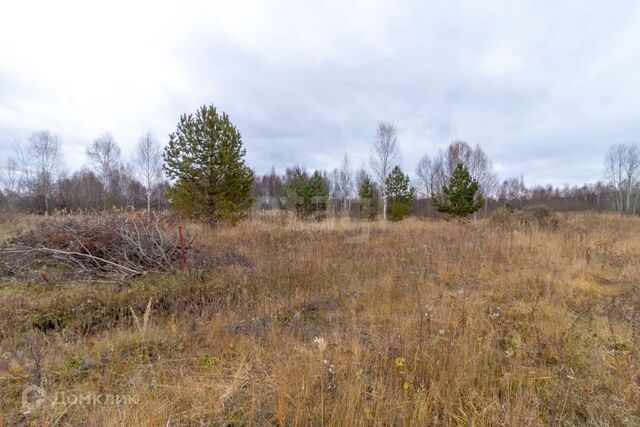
544 87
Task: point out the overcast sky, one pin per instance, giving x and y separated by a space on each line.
543 86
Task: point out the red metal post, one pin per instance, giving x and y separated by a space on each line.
183 258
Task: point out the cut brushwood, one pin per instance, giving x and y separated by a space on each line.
110 247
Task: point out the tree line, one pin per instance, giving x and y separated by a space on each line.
201 172
35 178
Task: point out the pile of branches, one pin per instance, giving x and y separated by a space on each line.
107 247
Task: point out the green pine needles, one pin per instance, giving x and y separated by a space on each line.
205 159
460 195
400 195
307 197
369 199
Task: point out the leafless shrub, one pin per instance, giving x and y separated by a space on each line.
544 216
509 221
532 216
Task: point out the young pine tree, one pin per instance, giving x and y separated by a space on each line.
206 159
369 199
293 193
307 196
316 196
400 195
460 198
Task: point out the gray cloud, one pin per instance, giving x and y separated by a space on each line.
543 87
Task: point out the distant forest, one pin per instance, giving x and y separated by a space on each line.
35 179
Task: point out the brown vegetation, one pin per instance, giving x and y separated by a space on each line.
109 246
347 323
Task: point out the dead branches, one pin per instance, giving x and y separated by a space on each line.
105 247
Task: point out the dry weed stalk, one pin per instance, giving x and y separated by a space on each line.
142 329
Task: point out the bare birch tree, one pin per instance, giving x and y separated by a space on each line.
44 164
10 174
10 180
342 185
23 162
104 156
513 190
149 162
384 156
622 170
431 176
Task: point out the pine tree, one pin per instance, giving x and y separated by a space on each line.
306 196
400 194
369 199
293 193
460 198
206 159
316 196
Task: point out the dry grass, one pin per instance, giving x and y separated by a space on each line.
425 323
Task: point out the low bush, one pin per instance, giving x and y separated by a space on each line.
540 216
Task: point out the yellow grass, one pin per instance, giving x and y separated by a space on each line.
425 323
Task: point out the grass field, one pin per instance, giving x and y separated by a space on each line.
5 233
344 323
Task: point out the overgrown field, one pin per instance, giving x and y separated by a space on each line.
343 323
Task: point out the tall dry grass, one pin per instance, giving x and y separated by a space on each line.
424 323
